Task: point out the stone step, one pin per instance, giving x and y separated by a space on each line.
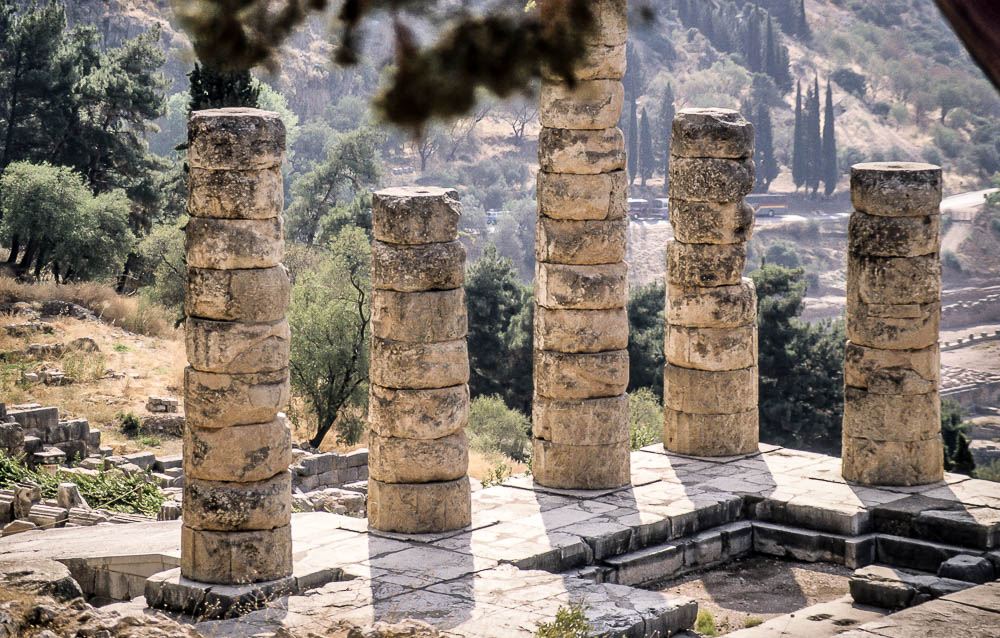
936 519
896 588
817 621
911 553
813 546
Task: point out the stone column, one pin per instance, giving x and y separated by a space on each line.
237 446
419 396
892 409
580 417
710 377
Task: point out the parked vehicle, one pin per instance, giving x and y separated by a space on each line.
660 209
767 205
638 208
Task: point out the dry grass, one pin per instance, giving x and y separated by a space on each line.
484 465
135 314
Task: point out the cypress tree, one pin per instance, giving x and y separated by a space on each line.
767 165
647 162
803 26
799 169
814 140
632 83
214 89
829 145
770 51
754 62
633 144
667 112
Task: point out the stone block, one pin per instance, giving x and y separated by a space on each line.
419 317
597 62
581 287
144 460
873 462
711 132
238 194
418 414
17 526
560 375
398 460
583 197
711 222
77 429
894 588
709 179
912 553
68 496
710 391
896 189
581 467
235 139
582 152
357 458
227 506
239 453
237 348
228 244
258 295
710 434
893 280
977 527
611 22
415 366
580 243
415 215
718 307
892 371
893 236
215 400
798 544
590 104
705 265
236 557
891 417
586 422
711 348
910 327
418 268
417 508
581 330
971 569
648 565
35 419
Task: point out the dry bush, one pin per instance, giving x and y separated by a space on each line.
133 313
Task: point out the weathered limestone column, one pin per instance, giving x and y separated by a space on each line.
892 409
710 377
237 446
580 417
419 397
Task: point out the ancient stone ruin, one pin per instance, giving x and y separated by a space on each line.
237 502
710 377
580 421
419 397
892 366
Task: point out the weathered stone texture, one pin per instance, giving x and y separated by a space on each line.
580 243
896 189
894 280
715 307
412 366
711 348
405 460
235 139
230 506
581 287
415 215
598 62
711 222
214 400
583 422
907 327
884 371
227 244
873 462
238 453
417 508
710 179
710 392
419 317
587 467
583 197
438 266
582 152
705 265
565 376
581 330
611 22
891 417
710 434
235 194
893 236
236 557
590 104
237 348
711 132
418 414
258 295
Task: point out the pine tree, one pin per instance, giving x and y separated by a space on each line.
829 146
647 161
215 89
767 165
667 112
799 166
814 140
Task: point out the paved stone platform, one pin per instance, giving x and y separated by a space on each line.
531 549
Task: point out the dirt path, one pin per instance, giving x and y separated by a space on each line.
957 234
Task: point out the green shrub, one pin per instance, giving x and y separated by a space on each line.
752 621
570 622
951 260
129 424
495 428
705 623
149 441
496 476
645 418
989 472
